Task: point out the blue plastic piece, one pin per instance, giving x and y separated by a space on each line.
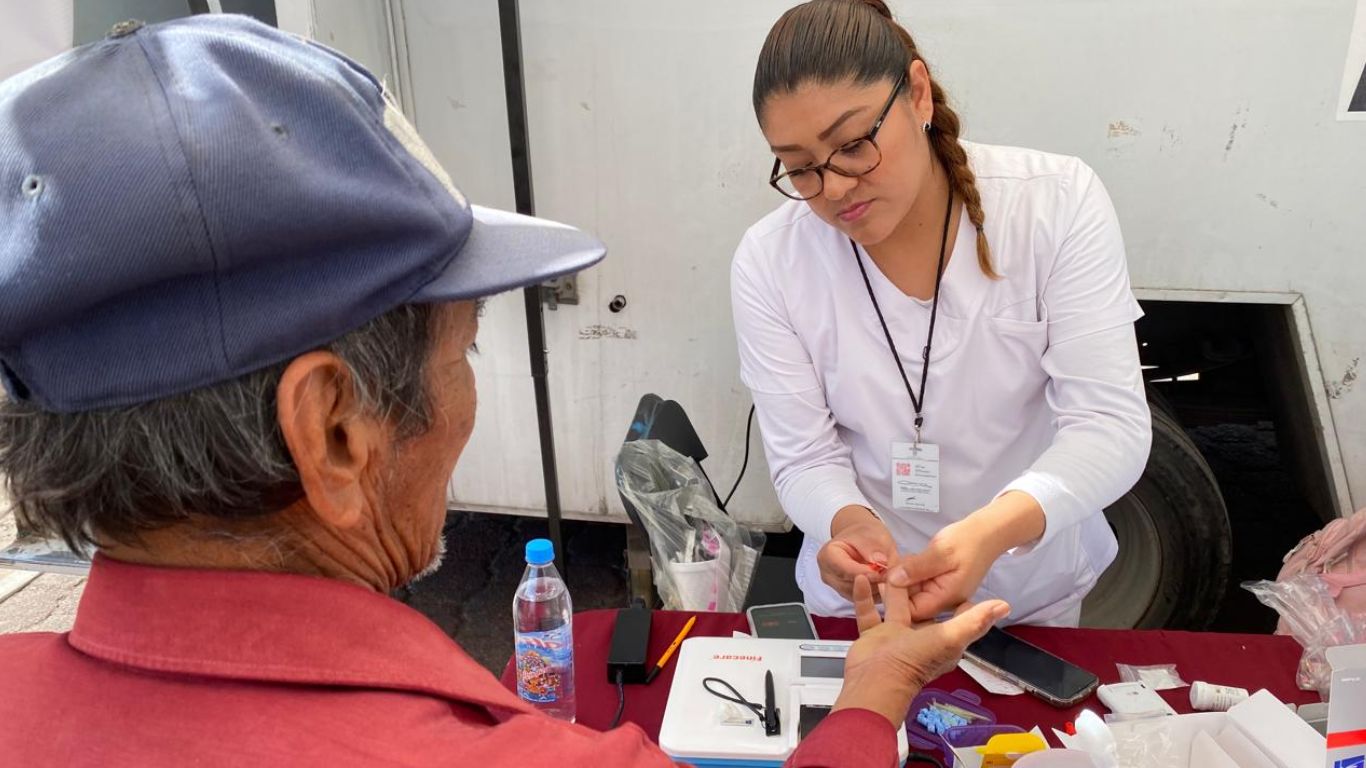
937 720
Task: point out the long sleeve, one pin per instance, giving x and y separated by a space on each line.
849 738
811 465
536 739
1095 387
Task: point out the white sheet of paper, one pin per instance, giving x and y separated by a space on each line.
915 477
989 680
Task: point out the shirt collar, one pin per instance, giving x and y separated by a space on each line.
276 627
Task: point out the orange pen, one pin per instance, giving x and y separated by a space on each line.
670 651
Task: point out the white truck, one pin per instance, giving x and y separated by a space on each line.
1215 125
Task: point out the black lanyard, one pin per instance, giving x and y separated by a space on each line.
916 402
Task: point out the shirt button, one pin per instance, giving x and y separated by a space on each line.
125 28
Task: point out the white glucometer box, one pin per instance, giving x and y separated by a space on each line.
1133 700
705 730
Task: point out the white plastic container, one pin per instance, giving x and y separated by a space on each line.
1206 697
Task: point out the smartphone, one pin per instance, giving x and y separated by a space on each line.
1058 682
781 621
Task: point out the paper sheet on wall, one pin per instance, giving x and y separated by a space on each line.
1352 102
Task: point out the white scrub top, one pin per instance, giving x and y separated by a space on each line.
1034 381
32 32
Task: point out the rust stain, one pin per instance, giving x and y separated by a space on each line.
1120 128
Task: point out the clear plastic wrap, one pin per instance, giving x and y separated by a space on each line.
1159 677
1309 612
1147 743
703 560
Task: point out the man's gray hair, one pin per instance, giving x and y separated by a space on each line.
216 452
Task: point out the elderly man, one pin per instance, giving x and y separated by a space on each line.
237 296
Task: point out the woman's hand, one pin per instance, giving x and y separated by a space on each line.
893 659
947 572
951 568
858 539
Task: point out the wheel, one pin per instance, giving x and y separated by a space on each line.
1175 543
1158 401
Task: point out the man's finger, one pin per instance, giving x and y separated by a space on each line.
865 610
971 624
897 601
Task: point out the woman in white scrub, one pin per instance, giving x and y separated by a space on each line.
938 335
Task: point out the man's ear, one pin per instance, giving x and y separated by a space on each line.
330 439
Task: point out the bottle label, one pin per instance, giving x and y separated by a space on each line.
543 659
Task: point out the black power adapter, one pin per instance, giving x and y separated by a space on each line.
630 644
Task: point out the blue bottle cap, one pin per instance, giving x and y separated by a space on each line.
540 552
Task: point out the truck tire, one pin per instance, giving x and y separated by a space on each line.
1175 543
1159 402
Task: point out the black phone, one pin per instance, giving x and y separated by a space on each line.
1056 681
784 621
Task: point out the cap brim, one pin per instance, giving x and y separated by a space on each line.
506 251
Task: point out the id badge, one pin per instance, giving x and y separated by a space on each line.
915 477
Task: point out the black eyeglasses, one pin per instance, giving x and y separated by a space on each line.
851 160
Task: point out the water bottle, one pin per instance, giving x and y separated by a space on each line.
542 620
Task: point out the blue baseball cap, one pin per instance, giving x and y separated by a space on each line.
185 203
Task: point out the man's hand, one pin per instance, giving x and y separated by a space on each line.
858 540
893 659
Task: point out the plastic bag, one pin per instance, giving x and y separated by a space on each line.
703 560
1311 616
1160 677
1147 743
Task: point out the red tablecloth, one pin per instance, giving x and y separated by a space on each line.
1246 661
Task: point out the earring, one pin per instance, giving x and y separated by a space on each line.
926 127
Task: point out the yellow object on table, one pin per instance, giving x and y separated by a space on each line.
1005 748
